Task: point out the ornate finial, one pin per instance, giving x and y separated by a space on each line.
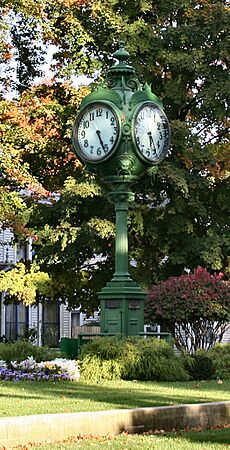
121 54
122 67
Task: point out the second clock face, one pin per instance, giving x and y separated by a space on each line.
96 132
151 132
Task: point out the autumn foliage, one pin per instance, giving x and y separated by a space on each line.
181 49
196 307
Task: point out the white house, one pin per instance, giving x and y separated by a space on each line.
50 321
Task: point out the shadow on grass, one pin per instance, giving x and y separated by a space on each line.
221 436
214 419
217 436
118 395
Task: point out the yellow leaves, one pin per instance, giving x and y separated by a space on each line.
23 285
83 189
74 3
34 117
84 277
65 234
18 172
104 228
13 210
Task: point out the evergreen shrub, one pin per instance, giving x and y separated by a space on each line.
132 358
220 355
22 349
199 365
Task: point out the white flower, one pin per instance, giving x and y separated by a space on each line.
14 364
28 363
67 365
3 364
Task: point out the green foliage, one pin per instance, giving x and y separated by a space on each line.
30 55
130 359
199 365
220 355
22 349
94 369
182 49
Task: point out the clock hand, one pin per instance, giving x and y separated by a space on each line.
151 141
101 141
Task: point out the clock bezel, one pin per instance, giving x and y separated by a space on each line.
75 141
163 154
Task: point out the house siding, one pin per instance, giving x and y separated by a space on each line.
7 248
226 336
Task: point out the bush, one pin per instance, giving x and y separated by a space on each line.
130 358
199 365
220 355
20 350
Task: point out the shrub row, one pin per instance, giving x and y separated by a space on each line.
150 359
20 350
133 358
214 364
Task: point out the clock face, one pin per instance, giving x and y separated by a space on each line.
96 132
151 132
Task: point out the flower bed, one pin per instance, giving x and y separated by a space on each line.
30 370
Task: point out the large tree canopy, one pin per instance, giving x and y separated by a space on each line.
181 215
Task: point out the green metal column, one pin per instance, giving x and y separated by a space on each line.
122 300
121 200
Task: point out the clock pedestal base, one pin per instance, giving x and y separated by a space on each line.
122 307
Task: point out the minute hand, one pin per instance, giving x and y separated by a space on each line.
101 141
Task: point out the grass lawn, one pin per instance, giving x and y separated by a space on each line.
205 440
26 398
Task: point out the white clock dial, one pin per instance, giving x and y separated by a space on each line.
151 132
96 132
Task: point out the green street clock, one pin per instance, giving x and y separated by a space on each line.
96 132
120 132
151 132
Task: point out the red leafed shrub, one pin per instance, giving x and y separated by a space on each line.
195 306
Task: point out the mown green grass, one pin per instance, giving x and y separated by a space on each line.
26 398
206 440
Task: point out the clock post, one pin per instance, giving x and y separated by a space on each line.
121 132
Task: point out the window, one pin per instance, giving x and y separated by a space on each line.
50 323
75 324
16 320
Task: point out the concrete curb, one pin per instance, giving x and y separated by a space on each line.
54 427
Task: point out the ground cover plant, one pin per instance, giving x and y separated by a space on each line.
26 398
214 439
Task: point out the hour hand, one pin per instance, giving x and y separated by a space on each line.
151 141
101 141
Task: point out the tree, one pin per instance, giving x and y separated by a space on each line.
194 307
182 49
60 202
179 47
